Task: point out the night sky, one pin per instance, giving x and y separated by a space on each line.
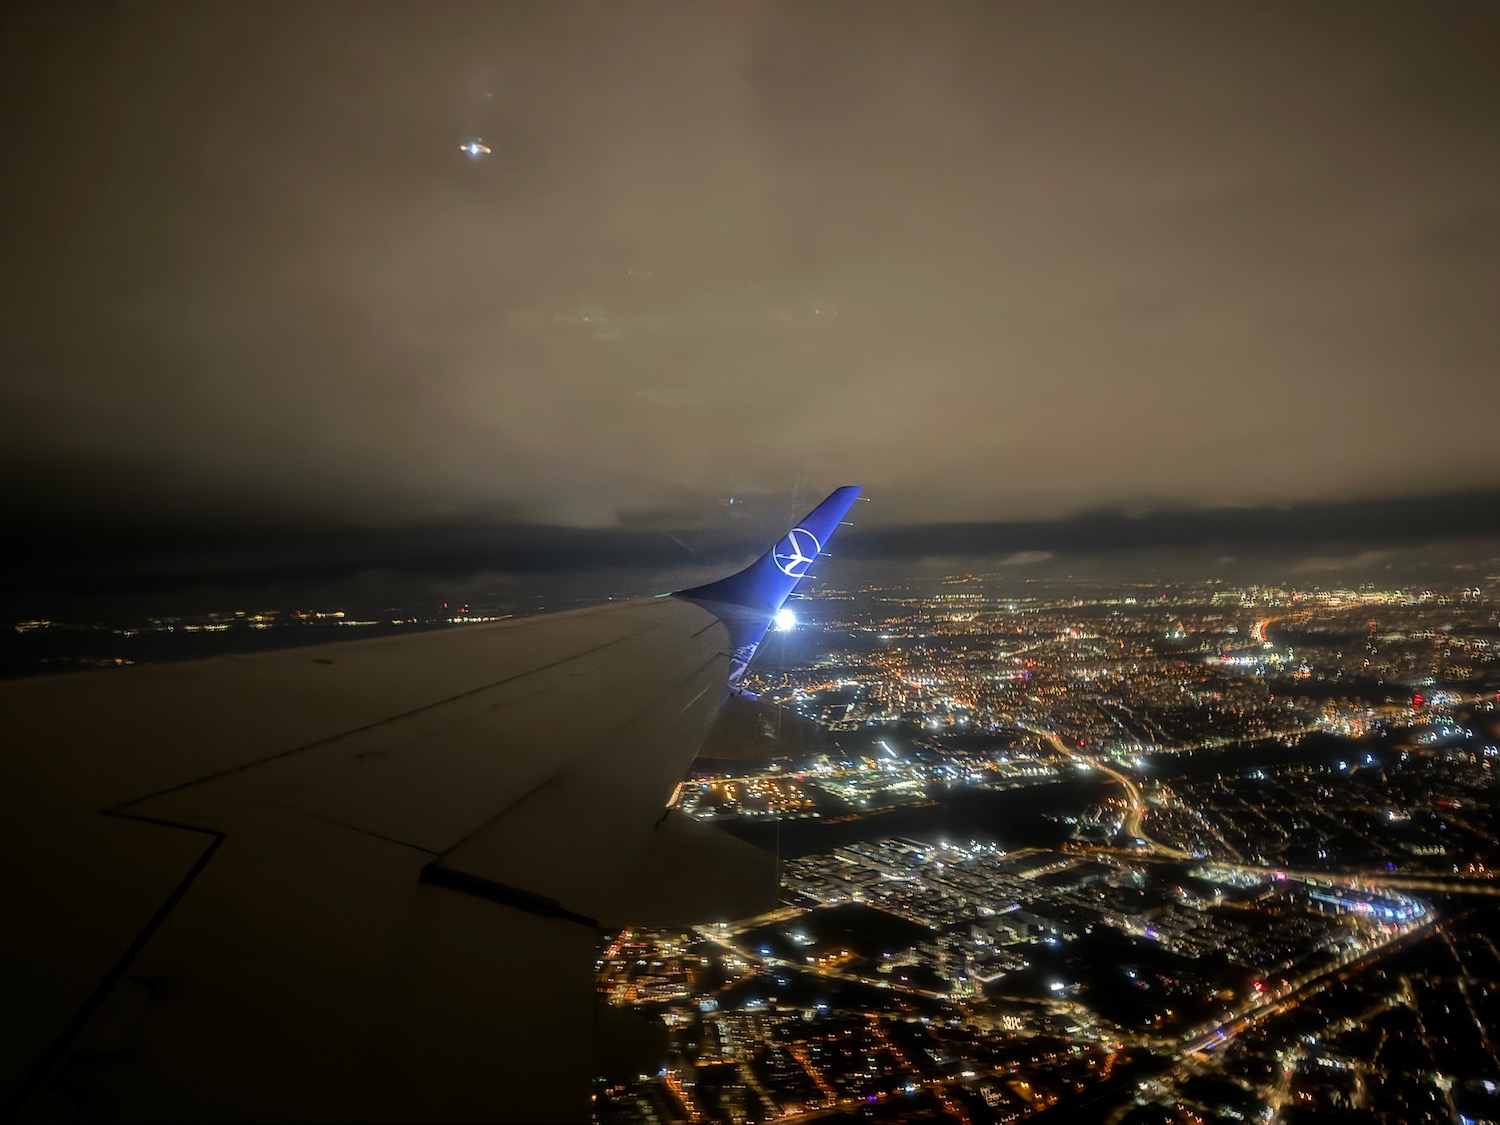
1043 278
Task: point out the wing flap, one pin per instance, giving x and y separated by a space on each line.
575 838
88 888
311 968
690 873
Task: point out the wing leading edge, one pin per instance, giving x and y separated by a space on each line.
363 881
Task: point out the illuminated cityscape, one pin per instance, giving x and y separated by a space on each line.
1174 852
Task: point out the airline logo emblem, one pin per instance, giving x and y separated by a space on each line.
795 553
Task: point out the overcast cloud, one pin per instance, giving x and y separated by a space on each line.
1001 263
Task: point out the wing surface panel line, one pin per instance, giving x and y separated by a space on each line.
699 696
243 766
58 1049
462 882
553 778
356 828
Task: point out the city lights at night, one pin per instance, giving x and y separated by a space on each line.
1272 837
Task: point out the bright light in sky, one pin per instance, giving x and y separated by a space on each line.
784 619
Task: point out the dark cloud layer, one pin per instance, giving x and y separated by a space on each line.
1006 264
121 560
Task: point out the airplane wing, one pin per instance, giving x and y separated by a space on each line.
362 881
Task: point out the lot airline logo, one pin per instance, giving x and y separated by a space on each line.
796 552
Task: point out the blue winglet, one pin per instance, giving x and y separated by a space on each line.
746 602
765 584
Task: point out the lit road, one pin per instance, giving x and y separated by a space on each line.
1384 880
1135 801
1258 630
1196 1052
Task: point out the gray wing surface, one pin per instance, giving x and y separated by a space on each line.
362 881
